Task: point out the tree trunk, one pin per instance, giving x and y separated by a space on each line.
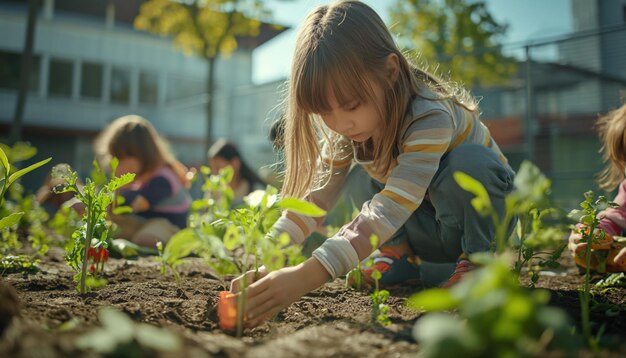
27 60
209 104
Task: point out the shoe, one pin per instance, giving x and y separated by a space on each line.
395 269
463 266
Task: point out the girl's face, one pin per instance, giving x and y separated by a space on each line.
356 120
128 165
217 163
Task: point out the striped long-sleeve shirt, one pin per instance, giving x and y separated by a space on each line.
431 128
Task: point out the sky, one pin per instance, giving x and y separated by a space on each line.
527 20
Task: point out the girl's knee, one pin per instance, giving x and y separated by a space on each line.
480 163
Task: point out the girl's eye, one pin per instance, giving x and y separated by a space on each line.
353 106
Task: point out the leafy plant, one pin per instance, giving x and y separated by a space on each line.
536 245
238 240
120 336
17 263
380 309
95 231
7 179
589 221
200 235
21 215
355 279
497 317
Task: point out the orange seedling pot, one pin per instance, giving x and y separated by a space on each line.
227 311
610 249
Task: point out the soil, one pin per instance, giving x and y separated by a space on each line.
333 321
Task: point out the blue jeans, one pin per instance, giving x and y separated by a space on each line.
446 225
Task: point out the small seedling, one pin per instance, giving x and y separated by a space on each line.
95 231
589 221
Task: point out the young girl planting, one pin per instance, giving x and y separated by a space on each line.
354 99
612 130
158 196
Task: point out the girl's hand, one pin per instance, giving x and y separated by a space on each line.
615 216
620 258
574 244
251 277
279 289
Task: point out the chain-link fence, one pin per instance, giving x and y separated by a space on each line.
547 113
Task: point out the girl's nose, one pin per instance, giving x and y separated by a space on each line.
344 126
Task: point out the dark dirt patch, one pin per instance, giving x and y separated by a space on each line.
331 321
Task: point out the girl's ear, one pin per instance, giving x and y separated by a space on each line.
392 66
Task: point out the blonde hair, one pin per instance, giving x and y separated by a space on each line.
612 130
343 48
134 136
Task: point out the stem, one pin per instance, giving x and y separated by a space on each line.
521 246
88 235
584 302
241 305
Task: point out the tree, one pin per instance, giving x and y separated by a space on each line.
459 36
207 28
27 61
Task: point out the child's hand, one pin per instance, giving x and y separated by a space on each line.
620 258
574 244
251 277
279 289
615 216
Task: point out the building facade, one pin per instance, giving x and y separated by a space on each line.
91 67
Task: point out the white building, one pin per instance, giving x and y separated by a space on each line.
91 67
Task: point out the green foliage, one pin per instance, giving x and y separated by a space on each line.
461 37
380 308
233 241
17 263
21 216
95 231
588 217
19 152
497 317
537 246
120 336
612 280
204 28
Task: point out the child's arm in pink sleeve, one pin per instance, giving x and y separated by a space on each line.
614 220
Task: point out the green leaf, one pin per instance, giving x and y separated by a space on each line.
231 238
301 207
4 161
117 324
157 338
182 244
10 220
120 210
481 202
436 299
30 168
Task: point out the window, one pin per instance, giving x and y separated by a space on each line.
91 80
60 78
148 87
184 88
120 86
10 70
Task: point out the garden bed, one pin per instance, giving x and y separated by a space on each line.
331 321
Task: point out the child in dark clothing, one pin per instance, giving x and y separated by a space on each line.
158 196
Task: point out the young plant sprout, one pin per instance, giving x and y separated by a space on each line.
588 222
95 231
232 241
